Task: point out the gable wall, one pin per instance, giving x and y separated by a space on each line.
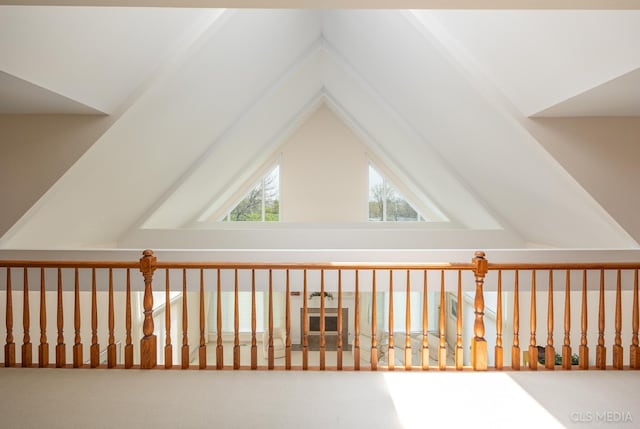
323 173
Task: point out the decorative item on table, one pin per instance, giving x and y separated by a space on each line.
326 295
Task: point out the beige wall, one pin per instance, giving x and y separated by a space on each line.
323 173
602 155
35 151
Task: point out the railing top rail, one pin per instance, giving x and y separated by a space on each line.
240 265
69 264
315 265
565 266
320 265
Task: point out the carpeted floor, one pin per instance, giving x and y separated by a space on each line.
101 398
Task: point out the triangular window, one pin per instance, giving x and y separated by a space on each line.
261 204
386 204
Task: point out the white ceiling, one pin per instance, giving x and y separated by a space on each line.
198 116
617 97
20 96
553 63
545 62
86 60
90 60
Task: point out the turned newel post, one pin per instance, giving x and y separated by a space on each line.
479 357
148 349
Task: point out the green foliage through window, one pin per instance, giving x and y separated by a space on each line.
262 203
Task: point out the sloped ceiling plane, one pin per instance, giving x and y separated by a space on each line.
203 97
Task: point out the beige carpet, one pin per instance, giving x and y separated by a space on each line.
67 398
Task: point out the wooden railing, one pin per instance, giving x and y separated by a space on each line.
364 281
566 271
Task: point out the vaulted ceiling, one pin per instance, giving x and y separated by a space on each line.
204 96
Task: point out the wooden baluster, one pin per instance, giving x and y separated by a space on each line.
168 348
148 343
236 324
322 322
254 345
184 362
271 356
515 349
533 348
442 349
94 350
10 346
287 348
128 348
374 340
26 349
583 350
305 325
566 347
77 342
202 351
617 348
601 350
61 352
356 327
111 347
479 351
550 351
219 345
339 345
391 350
407 319
458 353
43 348
499 353
425 324
634 349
